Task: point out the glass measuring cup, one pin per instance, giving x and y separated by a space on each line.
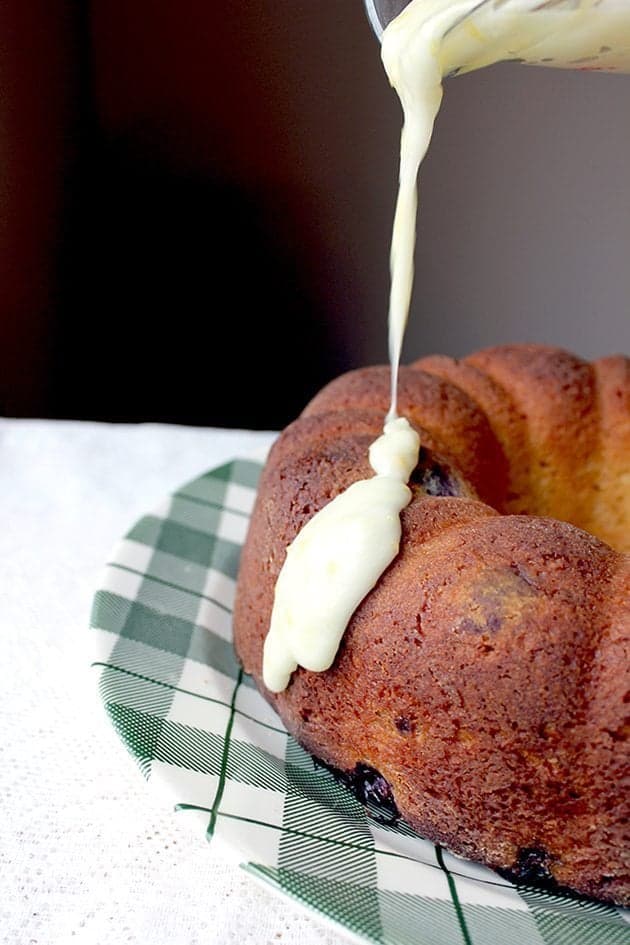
575 34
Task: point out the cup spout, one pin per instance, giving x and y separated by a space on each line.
382 12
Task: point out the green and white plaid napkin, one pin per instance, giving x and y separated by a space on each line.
199 729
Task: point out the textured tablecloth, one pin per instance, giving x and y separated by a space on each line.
87 853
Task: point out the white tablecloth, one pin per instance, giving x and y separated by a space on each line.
87 853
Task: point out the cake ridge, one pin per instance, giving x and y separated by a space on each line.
556 391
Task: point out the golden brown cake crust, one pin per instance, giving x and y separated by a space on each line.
563 426
485 676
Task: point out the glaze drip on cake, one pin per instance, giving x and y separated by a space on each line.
337 558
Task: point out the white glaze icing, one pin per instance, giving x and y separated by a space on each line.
337 558
431 39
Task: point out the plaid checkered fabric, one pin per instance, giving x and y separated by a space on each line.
198 728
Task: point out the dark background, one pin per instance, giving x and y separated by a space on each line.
196 202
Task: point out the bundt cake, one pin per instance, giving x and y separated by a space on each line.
482 684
